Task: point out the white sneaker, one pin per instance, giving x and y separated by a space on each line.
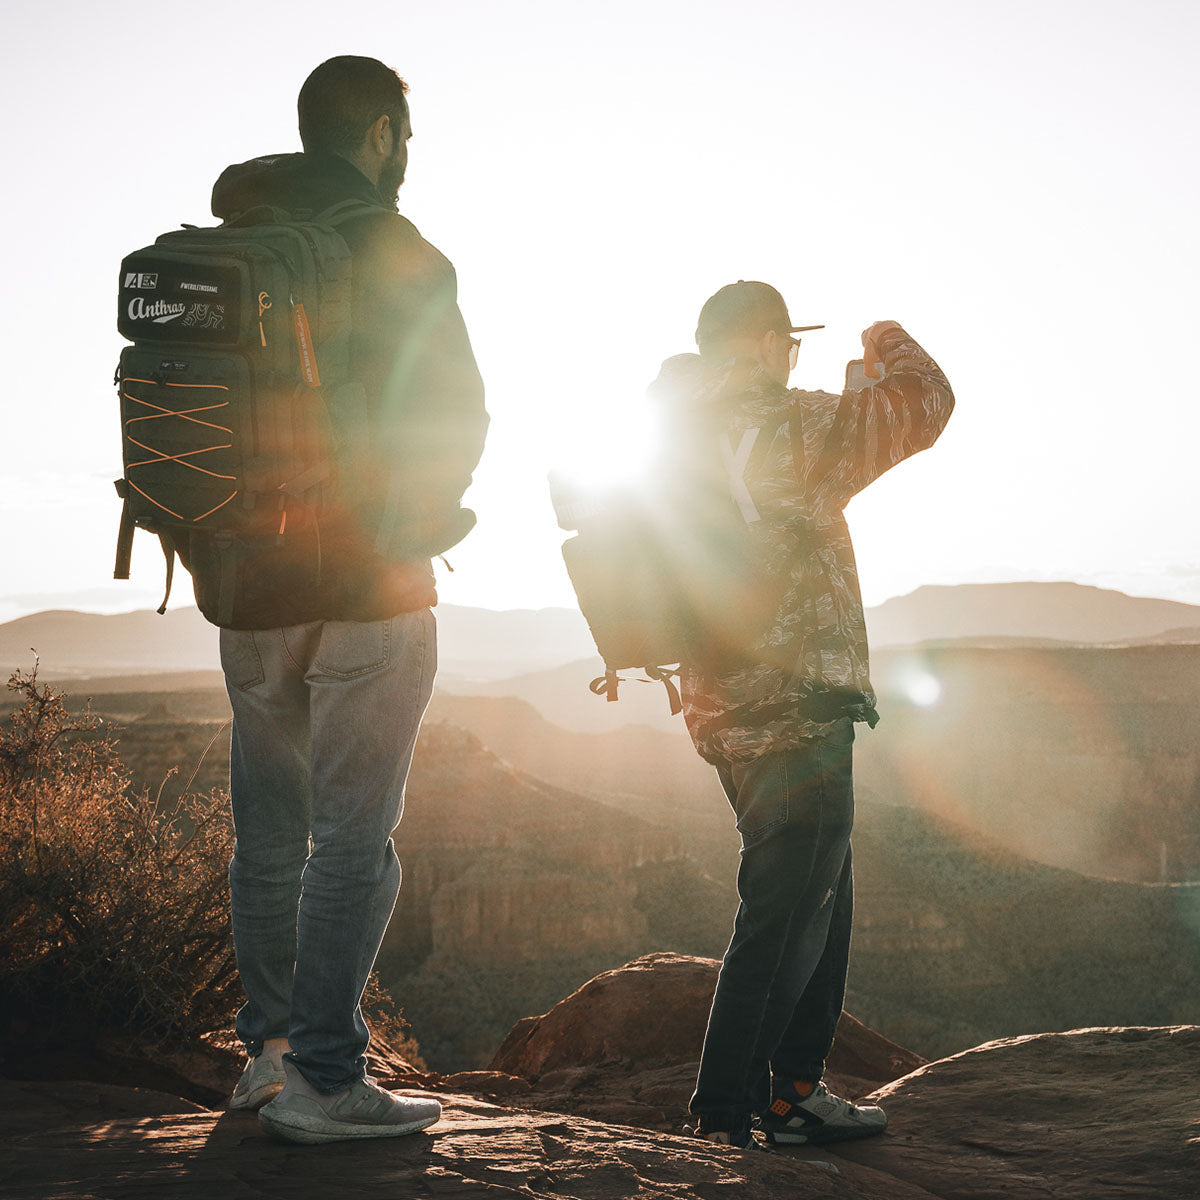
302 1114
818 1118
262 1080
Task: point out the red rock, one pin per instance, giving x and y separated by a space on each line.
1094 1114
485 1083
626 1045
650 1012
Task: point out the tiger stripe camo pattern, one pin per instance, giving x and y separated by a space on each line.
810 670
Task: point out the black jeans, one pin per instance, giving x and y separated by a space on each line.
783 978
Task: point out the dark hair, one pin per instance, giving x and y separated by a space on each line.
343 98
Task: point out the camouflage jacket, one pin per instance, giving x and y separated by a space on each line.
791 460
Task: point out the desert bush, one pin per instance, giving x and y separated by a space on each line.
389 1025
114 914
114 906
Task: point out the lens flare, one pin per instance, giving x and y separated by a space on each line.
606 447
923 689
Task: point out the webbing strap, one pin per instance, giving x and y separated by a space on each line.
663 676
261 214
226 582
168 547
796 430
345 210
387 525
606 685
299 484
124 541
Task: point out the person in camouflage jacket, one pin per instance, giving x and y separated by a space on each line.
809 667
773 703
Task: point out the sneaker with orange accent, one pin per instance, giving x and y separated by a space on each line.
816 1118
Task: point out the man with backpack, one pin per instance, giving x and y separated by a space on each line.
364 433
771 693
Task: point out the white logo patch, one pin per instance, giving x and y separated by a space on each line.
735 463
136 279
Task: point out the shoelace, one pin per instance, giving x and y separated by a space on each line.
829 1105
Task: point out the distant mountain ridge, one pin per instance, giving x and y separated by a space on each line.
474 643
477 644
1063 612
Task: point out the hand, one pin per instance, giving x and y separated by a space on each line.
872 358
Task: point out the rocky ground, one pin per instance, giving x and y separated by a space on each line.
98 1141
1096 1114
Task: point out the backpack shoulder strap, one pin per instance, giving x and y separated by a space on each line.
796 433
262 214
346 210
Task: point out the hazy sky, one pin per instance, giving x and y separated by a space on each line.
1014 182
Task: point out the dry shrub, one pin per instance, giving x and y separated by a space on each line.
389 1025
114 916
114 910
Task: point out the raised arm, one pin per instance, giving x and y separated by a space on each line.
852 439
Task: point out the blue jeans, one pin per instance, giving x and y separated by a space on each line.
325 718
783 979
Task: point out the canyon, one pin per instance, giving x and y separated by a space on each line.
1027 844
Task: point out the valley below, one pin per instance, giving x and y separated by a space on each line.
1027 844
536 857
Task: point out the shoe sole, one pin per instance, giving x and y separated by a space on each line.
310 1135
822 1138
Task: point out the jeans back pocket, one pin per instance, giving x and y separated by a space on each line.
352 648
240 659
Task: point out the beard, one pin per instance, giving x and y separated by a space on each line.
391 174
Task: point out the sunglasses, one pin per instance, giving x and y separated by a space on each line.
794 348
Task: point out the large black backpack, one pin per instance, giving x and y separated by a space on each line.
241 350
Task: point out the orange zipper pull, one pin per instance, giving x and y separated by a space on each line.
264 303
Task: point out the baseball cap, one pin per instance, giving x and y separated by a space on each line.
747 306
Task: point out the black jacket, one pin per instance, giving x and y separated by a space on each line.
407 457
